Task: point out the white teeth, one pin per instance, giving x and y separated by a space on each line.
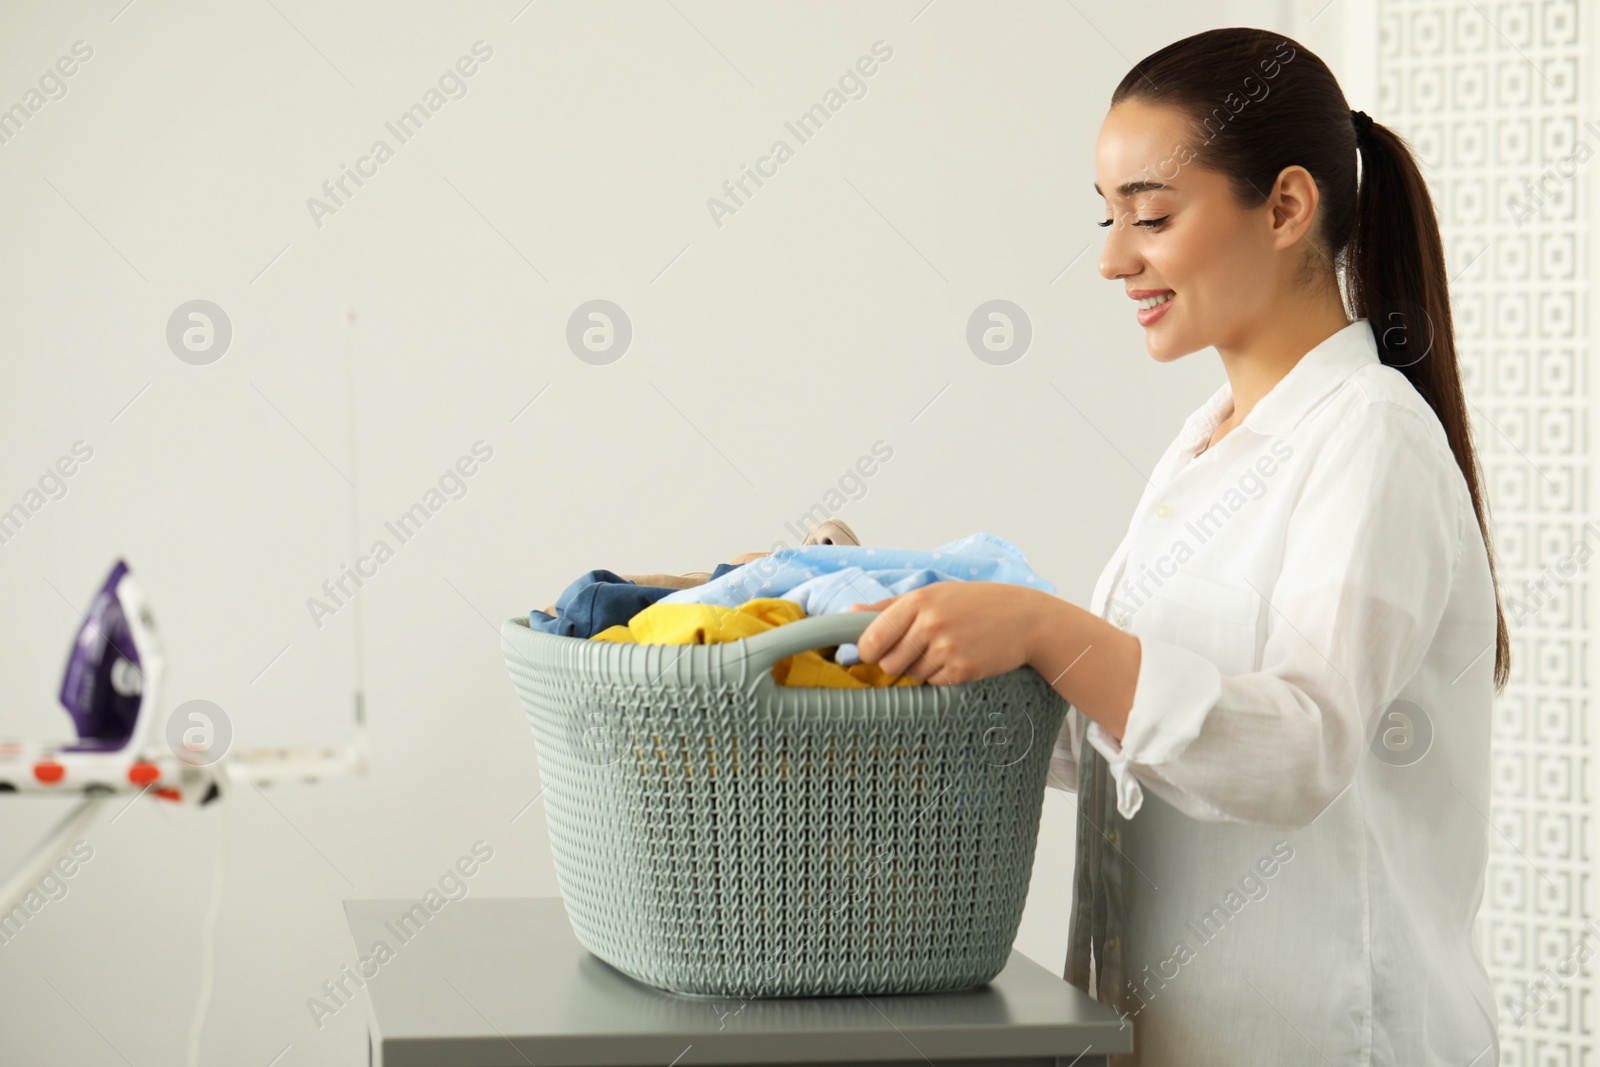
1155 301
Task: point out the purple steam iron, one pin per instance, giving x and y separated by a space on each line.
105 682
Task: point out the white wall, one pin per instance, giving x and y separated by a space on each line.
1498 103
769 353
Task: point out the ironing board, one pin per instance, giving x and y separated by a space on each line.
503 981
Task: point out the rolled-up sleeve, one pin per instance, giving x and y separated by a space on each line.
1369 555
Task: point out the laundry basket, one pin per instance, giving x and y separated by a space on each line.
715 833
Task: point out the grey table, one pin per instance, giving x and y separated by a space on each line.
503 982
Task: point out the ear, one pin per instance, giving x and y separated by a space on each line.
1294 200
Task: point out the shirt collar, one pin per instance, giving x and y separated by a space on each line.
1318 373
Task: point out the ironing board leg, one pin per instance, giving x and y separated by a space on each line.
47 851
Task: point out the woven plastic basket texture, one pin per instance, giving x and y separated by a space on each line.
715 833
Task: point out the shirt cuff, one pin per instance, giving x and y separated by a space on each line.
1175 690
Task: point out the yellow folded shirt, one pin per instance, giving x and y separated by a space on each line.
711 624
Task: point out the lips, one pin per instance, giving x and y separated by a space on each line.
1153 304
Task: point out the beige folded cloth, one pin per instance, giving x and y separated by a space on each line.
670 581
831 532
827 532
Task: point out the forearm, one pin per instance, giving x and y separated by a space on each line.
1091 663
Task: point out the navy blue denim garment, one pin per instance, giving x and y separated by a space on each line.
600 599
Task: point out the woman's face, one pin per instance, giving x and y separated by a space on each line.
1177 230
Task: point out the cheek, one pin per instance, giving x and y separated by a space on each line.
1177 256
1210 262
1236 255
1213 271
1202 250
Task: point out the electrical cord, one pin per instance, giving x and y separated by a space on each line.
208 931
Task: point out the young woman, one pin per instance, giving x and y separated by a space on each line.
1281 690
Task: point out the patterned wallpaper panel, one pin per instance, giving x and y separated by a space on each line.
1496 98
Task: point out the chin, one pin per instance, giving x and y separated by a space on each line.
1163 352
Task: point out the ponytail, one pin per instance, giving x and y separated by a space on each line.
1257 103
1397 281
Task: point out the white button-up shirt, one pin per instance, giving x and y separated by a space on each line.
1296 855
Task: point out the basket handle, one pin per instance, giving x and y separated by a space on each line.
764 650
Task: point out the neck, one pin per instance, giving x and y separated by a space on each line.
1257 361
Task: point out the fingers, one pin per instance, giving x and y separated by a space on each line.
909 627
920 667
880 635
890 642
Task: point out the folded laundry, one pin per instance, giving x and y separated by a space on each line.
601 598
709 624
660 581
827 532
825 579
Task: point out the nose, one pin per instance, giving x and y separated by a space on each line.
1119 258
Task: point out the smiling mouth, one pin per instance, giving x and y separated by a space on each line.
1152 309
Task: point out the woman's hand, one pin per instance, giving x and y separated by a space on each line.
951 632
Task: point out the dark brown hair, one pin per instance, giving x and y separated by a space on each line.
1259 102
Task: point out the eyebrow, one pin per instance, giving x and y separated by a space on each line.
1127 189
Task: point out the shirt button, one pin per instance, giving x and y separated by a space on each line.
1122 618
1111 836
1111 943
1162 511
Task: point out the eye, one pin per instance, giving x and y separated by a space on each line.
1151 223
